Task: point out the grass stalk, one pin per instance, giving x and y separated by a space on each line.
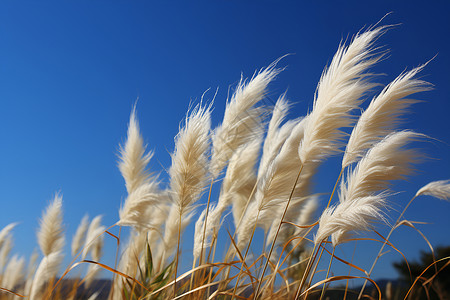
276 234
176 258
382 246
328 273
245 256
307 270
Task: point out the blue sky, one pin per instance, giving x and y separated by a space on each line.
70 72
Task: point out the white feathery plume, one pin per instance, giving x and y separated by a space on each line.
188 173
279 177
339 92
273 188
245 230
439 189
382 114
348 216
80 235
240 178
13 274
5 250
241 118
133 159
276 134
237 185
363 195
384 162
94 239
5 232
50 235
48 268
134 211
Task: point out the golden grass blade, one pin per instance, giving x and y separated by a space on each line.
337 278
423 272
11 292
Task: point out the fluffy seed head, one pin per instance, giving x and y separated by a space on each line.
50 235
439 189
133 159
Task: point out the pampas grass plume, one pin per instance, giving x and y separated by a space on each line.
80 235
50 234
339 92
241 118
382 114
439 189
133 159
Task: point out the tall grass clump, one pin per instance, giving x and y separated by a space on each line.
255 173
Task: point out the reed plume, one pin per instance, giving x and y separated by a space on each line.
189 170
142 187
340 91
50 234
51 241
47 269
439 189
80 235
363 195
241 118
13 274
383 114
133 159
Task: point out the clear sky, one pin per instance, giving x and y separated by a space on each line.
70 72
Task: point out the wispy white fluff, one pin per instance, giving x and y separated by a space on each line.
134 210
241 118
339 92
439 189
48 268
276 133
240 178
363 195
357 215
245 230
383 113
278 179
94 239
5 232
237 185
50 235
5 250
275 186
188 173
386 161
80 235
13 274
133 159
